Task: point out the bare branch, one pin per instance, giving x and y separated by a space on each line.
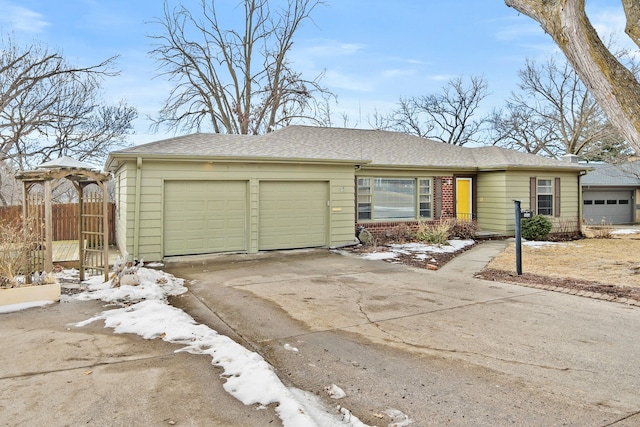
613 85
230 80
552 114
446 117
49 107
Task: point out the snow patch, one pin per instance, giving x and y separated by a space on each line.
398 419
248 377
625 231
419 251
289 347
335 392
23 306
539 245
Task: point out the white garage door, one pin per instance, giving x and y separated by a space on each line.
292 215
204 217
612 206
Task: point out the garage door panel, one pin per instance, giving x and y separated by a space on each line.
609 206
204 217
293 215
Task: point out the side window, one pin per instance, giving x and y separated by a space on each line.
424 197
545 196
364 198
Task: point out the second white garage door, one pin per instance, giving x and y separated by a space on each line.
293 215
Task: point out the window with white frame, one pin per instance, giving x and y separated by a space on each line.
364 198
390 199
424 196
545 196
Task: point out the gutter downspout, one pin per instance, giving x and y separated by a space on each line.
136 217
573 159
580 205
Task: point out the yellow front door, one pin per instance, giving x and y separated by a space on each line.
463 199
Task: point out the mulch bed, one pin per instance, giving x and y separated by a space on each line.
434 260
437 260
527 279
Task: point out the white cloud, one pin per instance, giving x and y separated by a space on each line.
397 73
336 79
326 48
518 28
441 77
608 21
19 18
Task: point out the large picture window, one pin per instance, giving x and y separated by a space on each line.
394 198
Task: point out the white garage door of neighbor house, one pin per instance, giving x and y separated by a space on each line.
204 217
293 215
611 207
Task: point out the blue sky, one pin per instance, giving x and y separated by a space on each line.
373 51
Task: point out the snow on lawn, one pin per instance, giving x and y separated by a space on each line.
625 231
248 377
540 244
418 250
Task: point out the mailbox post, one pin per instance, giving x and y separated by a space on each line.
519 214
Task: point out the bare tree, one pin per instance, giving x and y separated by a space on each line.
519 127
10 190
50 108
553 114
236 81
447 117
614 86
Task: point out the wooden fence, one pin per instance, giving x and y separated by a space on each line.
65 220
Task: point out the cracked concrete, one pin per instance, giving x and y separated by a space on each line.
54 374
442 347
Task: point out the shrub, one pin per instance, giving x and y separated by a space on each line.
565 229
16 246
435 234
536 228
599 231
463 229
400 233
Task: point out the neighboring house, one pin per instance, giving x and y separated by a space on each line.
610 193
312 187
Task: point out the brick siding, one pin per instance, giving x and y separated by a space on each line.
384 229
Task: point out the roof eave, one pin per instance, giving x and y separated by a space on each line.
420 167
109 165
567 168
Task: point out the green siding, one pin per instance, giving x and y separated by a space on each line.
154 174
125 177
497 191
140 219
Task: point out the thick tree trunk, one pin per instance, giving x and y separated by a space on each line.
614 86
632 11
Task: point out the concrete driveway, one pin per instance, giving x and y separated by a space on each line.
440 347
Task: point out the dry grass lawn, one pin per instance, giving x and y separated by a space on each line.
612 261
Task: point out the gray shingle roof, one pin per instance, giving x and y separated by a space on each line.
626 174
358 146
